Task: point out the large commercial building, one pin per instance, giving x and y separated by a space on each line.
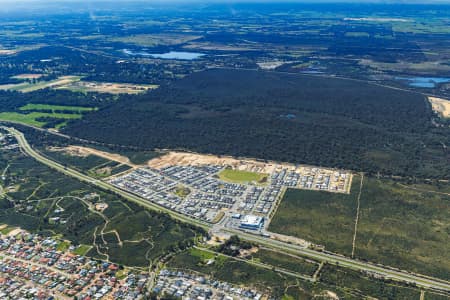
251 222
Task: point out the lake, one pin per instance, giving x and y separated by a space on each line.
167 55
424 82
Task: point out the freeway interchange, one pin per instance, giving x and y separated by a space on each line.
332 258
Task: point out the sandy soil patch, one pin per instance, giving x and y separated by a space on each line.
30 87
104 171
68 150
218 239
247 252
105 87
5 87
85 151
290 239
440 106
7 52
270 65
28 76
194 159
332 295
62 80
14 232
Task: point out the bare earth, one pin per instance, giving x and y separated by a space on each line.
270 65
28 76
105 87
85 151
195 159
440 106
7 52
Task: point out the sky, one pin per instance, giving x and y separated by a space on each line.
10 5
225 1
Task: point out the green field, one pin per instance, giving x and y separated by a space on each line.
238 176
31 118
82 250
37 107
33 112
321 217
6 230
63 246
398 225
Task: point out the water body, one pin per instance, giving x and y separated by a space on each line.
424 82
168 55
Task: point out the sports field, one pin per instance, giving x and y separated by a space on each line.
238 176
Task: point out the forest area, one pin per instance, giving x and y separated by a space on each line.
277 116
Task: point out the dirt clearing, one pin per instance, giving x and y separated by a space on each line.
105 87
28 76
440 106
194 159
85 151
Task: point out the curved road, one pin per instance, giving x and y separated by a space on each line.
403 276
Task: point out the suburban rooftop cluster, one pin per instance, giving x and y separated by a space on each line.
34 263
190 286
208 196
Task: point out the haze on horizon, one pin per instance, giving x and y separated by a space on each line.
229 1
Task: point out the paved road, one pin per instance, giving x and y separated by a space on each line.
421 281
101 184
332 258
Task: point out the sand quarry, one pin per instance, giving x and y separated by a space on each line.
440 106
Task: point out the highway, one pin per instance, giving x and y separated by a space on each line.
101 184
332 258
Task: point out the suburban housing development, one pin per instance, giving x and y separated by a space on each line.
245 149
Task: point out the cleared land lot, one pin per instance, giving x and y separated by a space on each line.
28 76
398 226
440 106
106 87
74 83
80 151
26 87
